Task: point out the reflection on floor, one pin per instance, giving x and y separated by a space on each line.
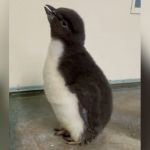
32 122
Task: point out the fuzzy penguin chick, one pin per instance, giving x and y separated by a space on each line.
76 88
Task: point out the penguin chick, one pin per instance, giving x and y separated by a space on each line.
75 86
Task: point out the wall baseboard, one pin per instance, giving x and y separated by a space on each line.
114 83
26 88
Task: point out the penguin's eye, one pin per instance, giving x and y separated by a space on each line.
64 24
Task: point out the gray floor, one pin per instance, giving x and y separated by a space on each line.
32 122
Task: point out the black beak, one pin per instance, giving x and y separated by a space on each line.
50 11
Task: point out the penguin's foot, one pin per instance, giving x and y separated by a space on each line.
70 141
61 132
73 143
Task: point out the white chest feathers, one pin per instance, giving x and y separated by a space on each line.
63 102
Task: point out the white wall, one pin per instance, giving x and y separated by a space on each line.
112 38
4 44
145 24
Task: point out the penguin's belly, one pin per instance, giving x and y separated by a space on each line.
63 102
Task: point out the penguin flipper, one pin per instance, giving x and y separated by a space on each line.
89 96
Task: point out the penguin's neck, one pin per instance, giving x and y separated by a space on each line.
56 48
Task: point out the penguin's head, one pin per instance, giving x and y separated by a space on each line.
66 24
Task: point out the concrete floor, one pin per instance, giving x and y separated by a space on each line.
32 122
